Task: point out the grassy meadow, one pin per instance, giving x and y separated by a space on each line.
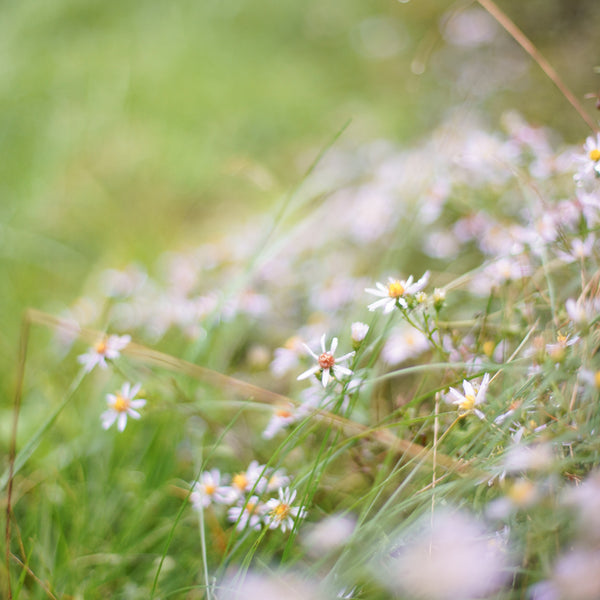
300 300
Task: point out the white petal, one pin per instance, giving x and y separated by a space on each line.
308 373
323 342
469 391
345 357
121 421
334 345
325 377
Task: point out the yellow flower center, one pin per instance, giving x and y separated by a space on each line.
250 507
121 404
468 403
326 360
597 379
280 512
395 289
240 481
595 155
521 492
210 489
488 347
101 347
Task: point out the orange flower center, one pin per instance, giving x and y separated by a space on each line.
210 489
280 512
283 413
121 404
326 360
101 347
395 289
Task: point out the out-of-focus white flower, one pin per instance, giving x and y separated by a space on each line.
281 513
327 364
557 350
521 458
576 574
252 480
579 249
521 493
287 357
403 343
359 331
582 312
473 396
329 534
591 378
277 479
585 498
208 489
453 558
108 348
395 292
247 513
499 272
121 405
254 586
282 417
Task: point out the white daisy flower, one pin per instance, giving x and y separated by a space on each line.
473 396
247 514
281 513
395 292
558 350
589 163
108 348
208 489
327 364
282 417
277 479
251 480
121 405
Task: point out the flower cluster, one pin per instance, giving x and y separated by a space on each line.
244 493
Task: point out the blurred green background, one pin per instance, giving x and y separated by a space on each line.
128 128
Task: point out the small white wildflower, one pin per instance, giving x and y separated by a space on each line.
359 332
327 364
247 514
329 534
209 489
277 479
403 343
274 586
281 513
576 574
557 351
251 480
589 163
472 398
121 405
579 250
395 292
582 312
282 417
108 348
591 378
452 558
